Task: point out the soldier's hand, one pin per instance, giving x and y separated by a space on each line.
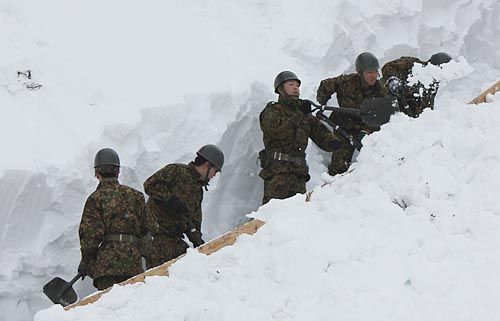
195 237
177 205
395 86
305 107
82 269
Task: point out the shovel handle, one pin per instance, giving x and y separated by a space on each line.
70 283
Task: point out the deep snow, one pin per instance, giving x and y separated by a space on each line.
159 80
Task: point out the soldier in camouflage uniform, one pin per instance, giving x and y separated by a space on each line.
113 224
351 90
415 98
286 126
175 196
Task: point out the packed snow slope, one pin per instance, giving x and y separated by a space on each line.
158 80
410 233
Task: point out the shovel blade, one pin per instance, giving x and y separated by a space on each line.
60 292
377 111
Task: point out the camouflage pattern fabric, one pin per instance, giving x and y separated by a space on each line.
418 97
185 182
113 209
282 186
105 282
350 94
287 130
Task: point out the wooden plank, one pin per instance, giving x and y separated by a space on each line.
208 248
482 97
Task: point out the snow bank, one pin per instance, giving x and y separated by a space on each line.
159 80
410 233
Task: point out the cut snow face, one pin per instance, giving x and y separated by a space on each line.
428 74
410 233
158 80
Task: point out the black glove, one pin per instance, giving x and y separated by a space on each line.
177 205
82 269
395 86
335 144
305 107
195 238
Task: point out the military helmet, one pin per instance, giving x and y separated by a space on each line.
366 61
212 154
282 77
106 157
439 58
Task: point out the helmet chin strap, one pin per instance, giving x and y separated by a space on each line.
205 180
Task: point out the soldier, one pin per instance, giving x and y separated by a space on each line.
351 90
286 126
114 222
415 98
175 196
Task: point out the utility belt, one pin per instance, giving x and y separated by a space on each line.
267 157
121 238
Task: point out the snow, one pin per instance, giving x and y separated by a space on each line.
159 80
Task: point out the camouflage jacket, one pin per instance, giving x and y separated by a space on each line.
287 130
183 181
113 209
350 94
417 96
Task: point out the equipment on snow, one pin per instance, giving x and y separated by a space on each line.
61 292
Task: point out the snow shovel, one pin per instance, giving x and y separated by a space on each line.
61 292
373 112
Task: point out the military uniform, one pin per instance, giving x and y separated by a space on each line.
417 96
113 210
286 131
186 183
350 94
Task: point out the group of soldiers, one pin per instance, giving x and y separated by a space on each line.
118 227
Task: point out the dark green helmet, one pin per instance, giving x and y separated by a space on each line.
212 154
439 58
366 61
106 157
282 77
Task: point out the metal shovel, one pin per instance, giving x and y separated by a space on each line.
61 292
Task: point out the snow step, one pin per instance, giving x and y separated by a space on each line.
208 248
482 97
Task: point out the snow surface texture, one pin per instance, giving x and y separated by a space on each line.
157 81
367 247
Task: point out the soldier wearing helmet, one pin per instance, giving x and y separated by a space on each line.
413 99
114 226
351 90
175 196
287 126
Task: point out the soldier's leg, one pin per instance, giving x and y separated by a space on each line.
283 186
166 249
341 159
108 281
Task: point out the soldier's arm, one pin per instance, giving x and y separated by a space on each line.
273 123
159 185
390 69
321 136
326 88
91 231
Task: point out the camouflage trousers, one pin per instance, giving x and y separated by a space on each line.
165 249
341 159
104 282
283 186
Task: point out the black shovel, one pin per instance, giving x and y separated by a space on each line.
61 292
373 112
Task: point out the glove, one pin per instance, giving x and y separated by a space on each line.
195 238
83 270
305 107
176 204
395 86
335 144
